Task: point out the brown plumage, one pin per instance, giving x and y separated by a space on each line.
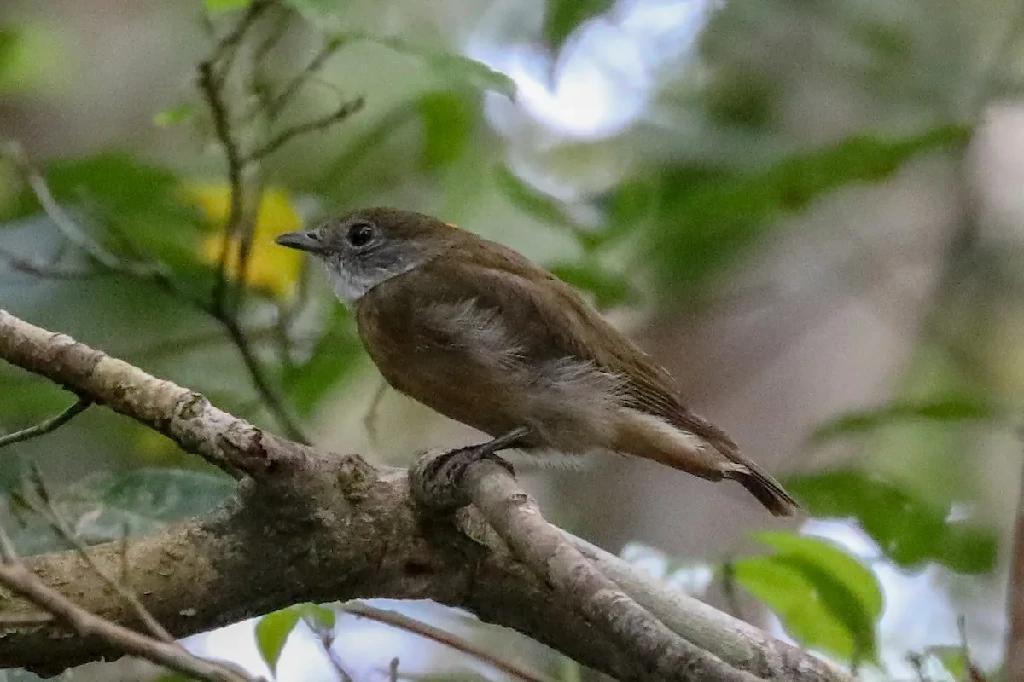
482 335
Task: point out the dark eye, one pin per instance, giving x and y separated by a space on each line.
359 234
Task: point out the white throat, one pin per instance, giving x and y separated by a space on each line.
349 287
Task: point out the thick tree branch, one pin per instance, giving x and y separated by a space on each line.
516 518
313 526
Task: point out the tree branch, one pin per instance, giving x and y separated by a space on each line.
370 540
515 517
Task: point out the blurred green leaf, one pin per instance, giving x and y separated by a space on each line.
324 15
142 206
825 598
563 16
630 207
214 6
942 410
272 633
952 659
455 66
273 629
448 119
609 289
908 530
29 55
114 180
27 398
145 500
541 206
707 218
335 355
176 115
106 506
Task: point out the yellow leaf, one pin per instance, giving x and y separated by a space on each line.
271 268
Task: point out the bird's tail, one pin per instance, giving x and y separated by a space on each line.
711 455
765 488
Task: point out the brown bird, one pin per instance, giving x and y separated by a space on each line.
480 334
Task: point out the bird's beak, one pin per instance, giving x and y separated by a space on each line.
302 241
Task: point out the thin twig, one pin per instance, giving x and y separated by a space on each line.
277 105
43 506
16 577
280 27
326 636
51 424
403 622
43 270
226 50
1015 602
285 136
372 415
274 401
67 226
732 597
247 228
208 85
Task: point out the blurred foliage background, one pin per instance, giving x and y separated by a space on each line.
810 212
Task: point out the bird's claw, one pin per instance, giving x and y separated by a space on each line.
436 481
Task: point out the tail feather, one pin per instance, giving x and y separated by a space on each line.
710 454
766 489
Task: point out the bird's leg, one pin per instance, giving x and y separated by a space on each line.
435 480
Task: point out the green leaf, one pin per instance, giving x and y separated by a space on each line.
824 597
541 206
448 119
104 507
216 6
952 659
335 355
144 500
908 530
139 201
563 16
29 57
176 115
459 68
454 66
608 288
115 181
942 410
707 218
272 633
273 629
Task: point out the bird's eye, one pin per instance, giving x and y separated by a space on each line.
359 234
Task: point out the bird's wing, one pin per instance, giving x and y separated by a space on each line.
552 321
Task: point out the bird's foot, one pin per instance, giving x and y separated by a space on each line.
435 480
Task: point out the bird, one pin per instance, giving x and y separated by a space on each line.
482 335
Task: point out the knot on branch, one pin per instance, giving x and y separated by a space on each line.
436 480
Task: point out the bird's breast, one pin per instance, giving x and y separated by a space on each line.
468 363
